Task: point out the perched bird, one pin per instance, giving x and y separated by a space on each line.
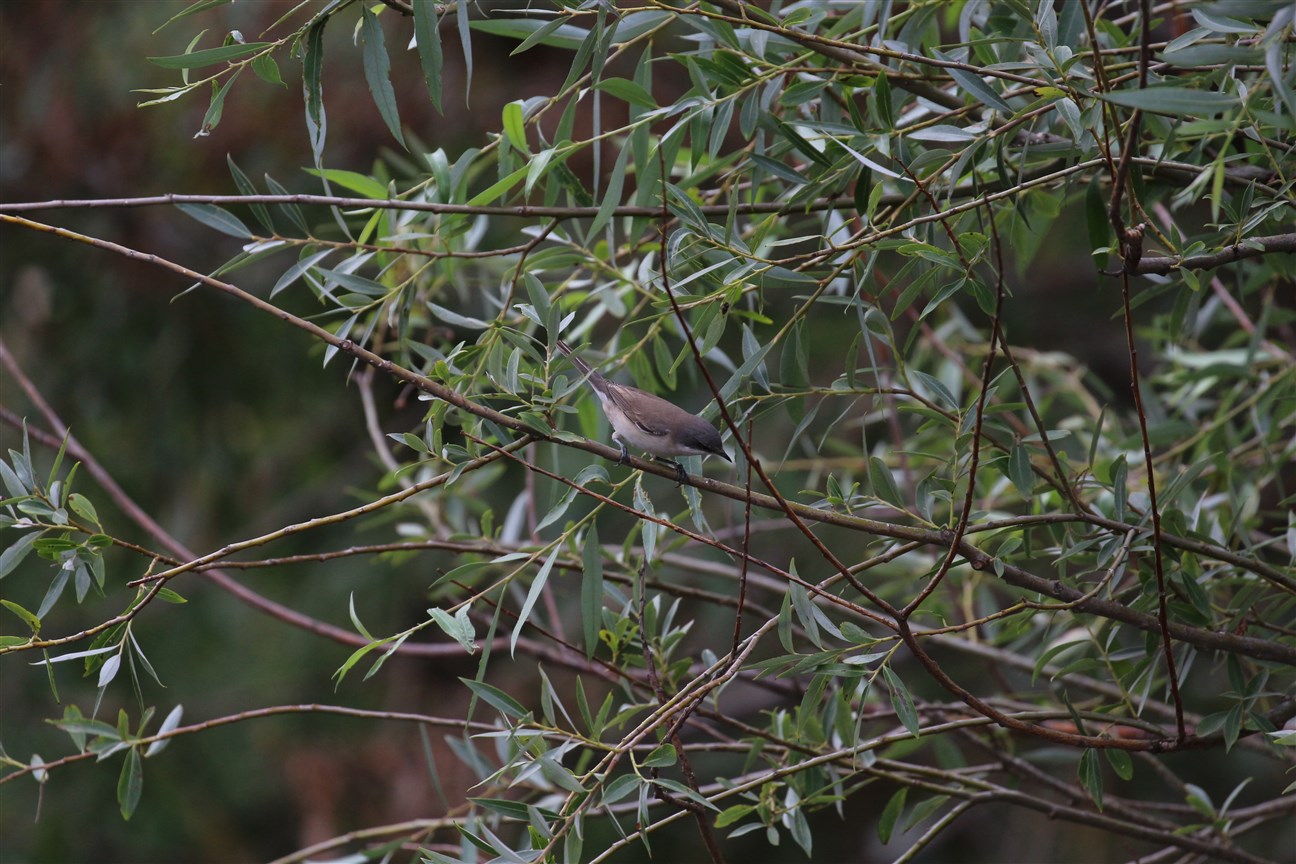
649 422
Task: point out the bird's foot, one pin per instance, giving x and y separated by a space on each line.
680 474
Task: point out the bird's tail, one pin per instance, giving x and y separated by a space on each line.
595 379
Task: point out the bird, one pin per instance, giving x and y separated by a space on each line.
652 424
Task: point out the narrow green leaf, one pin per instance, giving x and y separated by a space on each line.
1176 101
246 187
465 42
901 701
355 658
130 783
515 126
923 810
620 788
13 484
1282 83
377 70
794 361
170 724
612 195
1090 773
218 104
628 91
454 319
267 70
680 789
218 218
358 284
1019 470
936 388
537 586
976 88
1121 762
312 87
800 831
662 757
785 625
209 56
778 169
541 34
76 655
804 608
498 188
884 485
428 35
530 31
28 618
583 53
108 671
732 814
496 698
1212 55
1119 475
293 273
942 134
16 552
891 814
462 572
353 180
293 212
85 726
1222 23
1232 726
457 627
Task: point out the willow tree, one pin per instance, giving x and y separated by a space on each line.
952 567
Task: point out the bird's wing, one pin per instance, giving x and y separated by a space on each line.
616 394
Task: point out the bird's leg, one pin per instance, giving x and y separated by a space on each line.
680 474
624 458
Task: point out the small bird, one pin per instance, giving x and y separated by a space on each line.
649 422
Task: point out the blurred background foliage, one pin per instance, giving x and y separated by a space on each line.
225 424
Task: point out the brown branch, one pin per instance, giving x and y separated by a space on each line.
1251 247
1162 598
746 547
1180 172
1131 251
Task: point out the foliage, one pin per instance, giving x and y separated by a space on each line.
820 217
